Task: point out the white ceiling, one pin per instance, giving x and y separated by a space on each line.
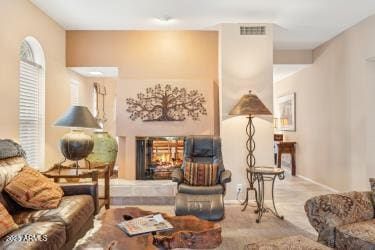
301 24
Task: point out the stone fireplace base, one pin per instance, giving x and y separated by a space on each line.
140 192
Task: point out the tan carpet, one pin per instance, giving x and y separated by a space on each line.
239 228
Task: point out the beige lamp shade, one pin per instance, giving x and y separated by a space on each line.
251 105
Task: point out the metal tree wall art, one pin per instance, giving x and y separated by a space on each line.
166 103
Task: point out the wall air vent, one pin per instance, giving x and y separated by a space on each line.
253 30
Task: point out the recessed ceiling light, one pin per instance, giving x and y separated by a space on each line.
95 73
165 19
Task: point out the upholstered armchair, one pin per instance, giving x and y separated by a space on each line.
344 220
206 202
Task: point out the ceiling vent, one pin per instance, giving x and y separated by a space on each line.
253 30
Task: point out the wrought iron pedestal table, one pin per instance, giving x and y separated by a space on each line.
260 175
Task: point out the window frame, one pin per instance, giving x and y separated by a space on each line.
37 55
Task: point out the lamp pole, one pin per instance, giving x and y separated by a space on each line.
250 105
250 160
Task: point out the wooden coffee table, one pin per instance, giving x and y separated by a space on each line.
188 232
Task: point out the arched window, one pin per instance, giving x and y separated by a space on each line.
31 101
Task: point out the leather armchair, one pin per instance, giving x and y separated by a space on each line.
206 202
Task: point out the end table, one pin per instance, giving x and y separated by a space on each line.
286 148
57 172
260 175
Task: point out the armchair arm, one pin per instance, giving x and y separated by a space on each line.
177 175
225 177
82 188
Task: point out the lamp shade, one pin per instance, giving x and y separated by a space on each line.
77 117
250 105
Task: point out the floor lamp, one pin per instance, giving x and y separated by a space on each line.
250 105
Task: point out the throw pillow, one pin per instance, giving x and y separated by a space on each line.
31 189
7 224
200 174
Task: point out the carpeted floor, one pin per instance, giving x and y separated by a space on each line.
239 228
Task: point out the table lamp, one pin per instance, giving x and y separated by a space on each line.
250 105
76 145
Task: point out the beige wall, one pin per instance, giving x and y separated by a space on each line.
146 54
191 56
335 110
85 89
86 96
292 57
110 99
245 64
19 19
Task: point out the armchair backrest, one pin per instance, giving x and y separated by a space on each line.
204 149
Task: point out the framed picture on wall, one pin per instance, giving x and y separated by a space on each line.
287 112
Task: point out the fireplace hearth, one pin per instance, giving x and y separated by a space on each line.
157 157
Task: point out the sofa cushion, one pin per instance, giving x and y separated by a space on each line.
200 190
31 189
360 235
7 223
9 168
9 203
73 212
200 174
33 236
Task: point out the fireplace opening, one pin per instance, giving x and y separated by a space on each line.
157 157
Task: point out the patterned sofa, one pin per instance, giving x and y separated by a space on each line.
345 220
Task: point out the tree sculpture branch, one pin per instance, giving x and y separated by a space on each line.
166 104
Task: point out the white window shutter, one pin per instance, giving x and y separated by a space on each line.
31 113
74 92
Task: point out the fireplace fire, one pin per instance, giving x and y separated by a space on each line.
157 157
